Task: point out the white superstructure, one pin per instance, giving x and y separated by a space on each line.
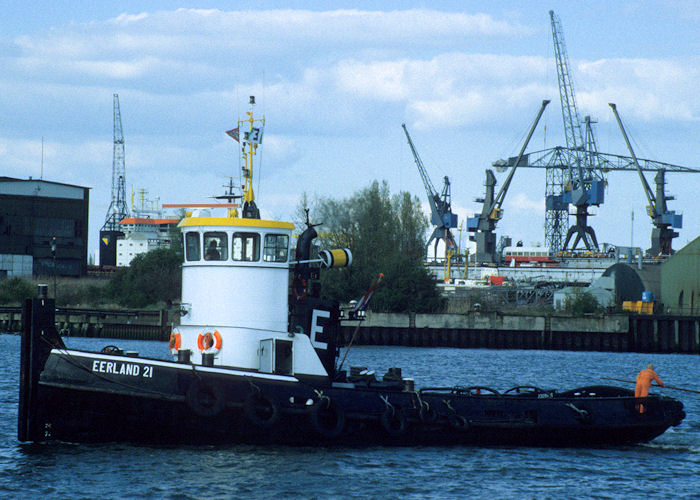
235 286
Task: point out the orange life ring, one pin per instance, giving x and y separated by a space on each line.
299 288
213 339
175 341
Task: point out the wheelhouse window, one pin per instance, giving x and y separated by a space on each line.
192 246
275 249
215 246
246 247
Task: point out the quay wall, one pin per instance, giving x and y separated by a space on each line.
614 332
123 324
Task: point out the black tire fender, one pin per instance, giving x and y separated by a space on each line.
394 421
458 422
427 413
327 418
261 410
205 398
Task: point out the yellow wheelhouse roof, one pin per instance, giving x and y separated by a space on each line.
233 221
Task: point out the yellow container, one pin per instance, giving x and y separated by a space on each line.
638 306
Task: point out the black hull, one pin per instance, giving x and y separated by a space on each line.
145 421
186 404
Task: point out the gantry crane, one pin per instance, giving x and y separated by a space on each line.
662 218
440 205
584 184
555 159
484 224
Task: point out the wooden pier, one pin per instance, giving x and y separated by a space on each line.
123 324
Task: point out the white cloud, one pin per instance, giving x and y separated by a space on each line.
193 33
280 149
521 202
646 89
347 25
316 62
123 19
384 80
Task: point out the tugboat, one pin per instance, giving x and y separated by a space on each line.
255 360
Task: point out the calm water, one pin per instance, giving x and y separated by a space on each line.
667 467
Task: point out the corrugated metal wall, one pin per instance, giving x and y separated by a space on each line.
680 281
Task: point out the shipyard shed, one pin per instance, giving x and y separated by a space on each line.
680 281
34 212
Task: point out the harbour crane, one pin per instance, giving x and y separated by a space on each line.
117 208
117 211
484 224
662 218
440 205
555 159
584 184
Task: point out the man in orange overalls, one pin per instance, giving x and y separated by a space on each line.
644 383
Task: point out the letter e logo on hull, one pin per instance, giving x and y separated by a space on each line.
316 328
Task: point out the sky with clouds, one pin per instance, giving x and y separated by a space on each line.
335 83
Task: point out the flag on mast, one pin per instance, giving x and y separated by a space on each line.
234 134
364 302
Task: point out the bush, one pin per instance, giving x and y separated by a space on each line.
13 291
581 303
82 292
152 278
407 287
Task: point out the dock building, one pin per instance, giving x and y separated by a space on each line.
680 281
43 228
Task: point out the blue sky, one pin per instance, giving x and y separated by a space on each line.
335 83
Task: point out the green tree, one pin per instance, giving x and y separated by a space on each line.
386 235
151 278
175 235
581 303
299 217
